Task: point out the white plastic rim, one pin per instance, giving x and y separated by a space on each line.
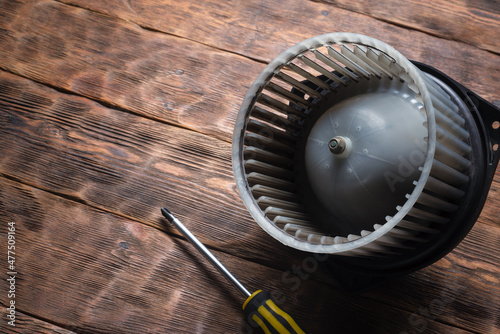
242 119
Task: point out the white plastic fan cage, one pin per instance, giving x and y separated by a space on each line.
273 114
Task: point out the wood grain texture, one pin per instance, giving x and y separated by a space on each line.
111 109
26 324
490 213
122 65
125 164
261 30
176 80
117 275
71 146
120 276
465 285
471 22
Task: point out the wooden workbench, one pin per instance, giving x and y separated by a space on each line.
112 109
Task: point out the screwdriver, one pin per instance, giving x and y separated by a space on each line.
259 307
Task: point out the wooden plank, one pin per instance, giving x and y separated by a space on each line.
186 83
491 213
261 30
120 276
28 324
464 283
471 22
126 164
56 142
122 65
116 274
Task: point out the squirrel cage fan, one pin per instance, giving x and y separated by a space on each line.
343 146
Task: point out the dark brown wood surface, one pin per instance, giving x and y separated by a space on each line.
472 22
111 109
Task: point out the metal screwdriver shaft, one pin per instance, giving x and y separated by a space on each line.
204 250
259 307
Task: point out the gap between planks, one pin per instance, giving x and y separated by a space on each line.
152 29
107 104
410 21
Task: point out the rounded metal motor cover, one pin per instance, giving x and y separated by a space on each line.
343 146
371 176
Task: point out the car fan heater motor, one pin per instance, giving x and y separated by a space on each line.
343 146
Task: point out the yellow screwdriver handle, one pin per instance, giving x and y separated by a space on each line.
260 309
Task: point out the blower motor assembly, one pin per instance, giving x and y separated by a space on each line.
345 147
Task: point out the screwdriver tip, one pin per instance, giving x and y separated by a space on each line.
167 214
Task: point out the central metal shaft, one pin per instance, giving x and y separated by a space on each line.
337 145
